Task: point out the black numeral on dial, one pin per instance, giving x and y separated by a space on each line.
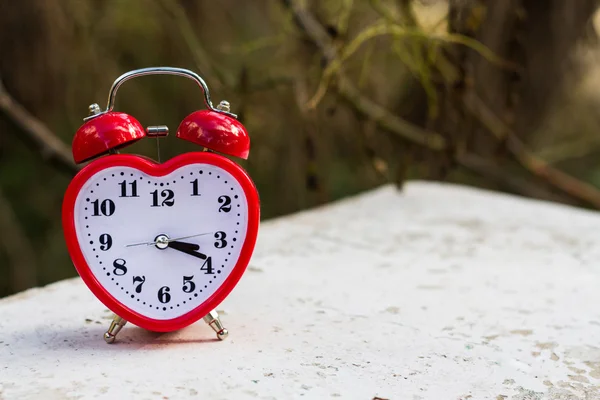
226 201
221 242
168 198
106 208
105 242
195 187
124 190
207 266
163 294
188 285
141 280
120 268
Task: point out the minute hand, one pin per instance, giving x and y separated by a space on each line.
188 237
187 248
168 240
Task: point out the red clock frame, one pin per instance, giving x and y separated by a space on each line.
150 167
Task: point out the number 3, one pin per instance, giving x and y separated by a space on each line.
220 236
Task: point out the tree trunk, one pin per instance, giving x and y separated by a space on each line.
537 38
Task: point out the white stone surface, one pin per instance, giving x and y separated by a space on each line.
438 292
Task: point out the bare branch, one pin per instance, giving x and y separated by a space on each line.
387 120
567 184
313 28
527 159
348 91
568 150
494 173
50 145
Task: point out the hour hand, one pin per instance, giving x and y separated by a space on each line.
187 248
175 244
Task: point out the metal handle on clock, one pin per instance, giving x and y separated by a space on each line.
160 71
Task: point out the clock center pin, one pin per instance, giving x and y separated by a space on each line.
161 241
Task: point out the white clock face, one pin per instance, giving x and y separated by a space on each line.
199 213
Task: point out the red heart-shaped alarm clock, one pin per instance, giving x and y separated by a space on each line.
161 244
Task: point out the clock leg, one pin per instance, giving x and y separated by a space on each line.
115 326
212 319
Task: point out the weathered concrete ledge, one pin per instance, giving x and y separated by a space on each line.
438 292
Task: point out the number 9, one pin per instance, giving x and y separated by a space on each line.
105 241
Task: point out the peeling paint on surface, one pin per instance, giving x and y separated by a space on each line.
546 346
579 378
522 332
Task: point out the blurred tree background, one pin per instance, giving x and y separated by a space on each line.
339 96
